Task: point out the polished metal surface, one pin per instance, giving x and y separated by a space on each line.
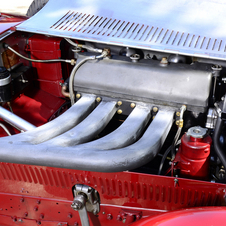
126 134
172 85
61 124
174 26
115 160
15 120
88 128
5 81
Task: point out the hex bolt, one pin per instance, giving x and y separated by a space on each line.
138 216
69 215
109 216
132 105
35 208
38 201
98 99
119 218
14 219
119 111
177 122
78 95
95 212
119 103
41 216
76 224
25 214
39 222
155 109
22 200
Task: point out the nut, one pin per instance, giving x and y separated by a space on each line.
109 216
155 109
98 99
119 103
178 114
119 111
78 95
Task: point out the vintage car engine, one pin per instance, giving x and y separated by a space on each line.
108 118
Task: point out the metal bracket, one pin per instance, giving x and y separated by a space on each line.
85 199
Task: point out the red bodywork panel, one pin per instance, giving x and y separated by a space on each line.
8 20
208 216
48 191
49 75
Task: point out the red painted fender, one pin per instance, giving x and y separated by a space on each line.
8 20
208 216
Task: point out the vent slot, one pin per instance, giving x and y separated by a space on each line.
179 30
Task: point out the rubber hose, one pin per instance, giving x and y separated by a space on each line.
216 141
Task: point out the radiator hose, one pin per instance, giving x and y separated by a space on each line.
216 136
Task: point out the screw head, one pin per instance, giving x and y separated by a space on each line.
14 219
178 114
109 216
132 105
119 218
119 111
69 215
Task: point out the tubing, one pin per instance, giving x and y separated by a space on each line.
89 127
216 141
131 157
75 69
90 48
61 124
5 129
72 75
124 135
15 120
72 62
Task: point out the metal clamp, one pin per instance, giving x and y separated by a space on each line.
86 199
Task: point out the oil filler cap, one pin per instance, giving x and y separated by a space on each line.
197 132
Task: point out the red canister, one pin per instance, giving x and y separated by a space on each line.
193 155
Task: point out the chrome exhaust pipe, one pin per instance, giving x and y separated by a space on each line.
114 160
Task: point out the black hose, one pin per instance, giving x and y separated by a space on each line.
216 141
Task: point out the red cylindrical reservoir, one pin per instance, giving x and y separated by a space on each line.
192 158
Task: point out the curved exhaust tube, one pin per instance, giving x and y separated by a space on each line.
124 135
115 160
15 120
73 116
88 128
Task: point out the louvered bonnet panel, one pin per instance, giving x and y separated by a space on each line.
195 28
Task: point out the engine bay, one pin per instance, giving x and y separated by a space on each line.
119 119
